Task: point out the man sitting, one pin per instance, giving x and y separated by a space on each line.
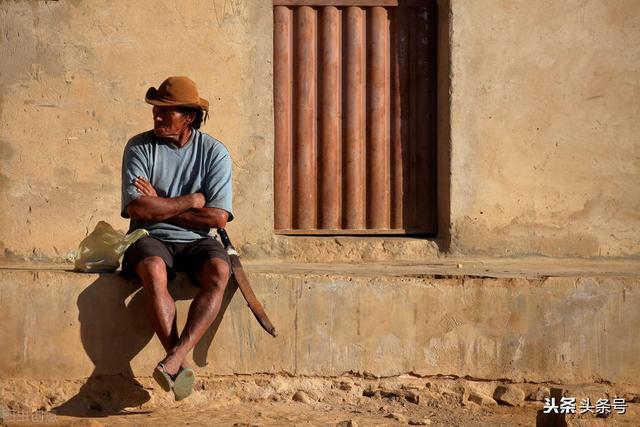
176 183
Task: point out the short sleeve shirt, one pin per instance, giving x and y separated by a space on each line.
203 165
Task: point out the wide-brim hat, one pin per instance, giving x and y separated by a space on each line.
176 91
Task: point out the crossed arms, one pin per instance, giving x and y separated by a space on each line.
185 211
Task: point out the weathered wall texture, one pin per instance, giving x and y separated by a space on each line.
72 85
545 133
563 329
544 148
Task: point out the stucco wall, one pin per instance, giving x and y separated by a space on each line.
72 93
544 152
545 135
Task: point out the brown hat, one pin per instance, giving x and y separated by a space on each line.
179 91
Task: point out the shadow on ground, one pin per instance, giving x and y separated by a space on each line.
114 329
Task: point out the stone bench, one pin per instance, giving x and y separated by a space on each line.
569 323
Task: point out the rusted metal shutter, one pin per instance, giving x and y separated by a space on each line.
355 122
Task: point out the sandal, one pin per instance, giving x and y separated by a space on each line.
163 378
183 383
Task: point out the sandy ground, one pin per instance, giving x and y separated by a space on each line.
299 414
287 401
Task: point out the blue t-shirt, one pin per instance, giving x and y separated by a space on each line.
203 165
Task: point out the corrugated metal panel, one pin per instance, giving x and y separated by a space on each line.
354 118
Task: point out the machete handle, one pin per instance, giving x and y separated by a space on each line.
224 237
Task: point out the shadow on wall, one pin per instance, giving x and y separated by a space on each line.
444 125
114 329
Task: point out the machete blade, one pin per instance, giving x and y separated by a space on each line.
245 286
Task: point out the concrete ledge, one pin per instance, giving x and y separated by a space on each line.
437 267
572 329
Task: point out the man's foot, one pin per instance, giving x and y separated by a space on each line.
172 364
164 378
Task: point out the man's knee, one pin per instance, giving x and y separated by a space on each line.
152 268
214 275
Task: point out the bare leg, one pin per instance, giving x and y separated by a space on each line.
212 277
161 308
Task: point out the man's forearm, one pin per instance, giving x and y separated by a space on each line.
201 218
148 208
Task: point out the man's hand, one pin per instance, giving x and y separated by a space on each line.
197 216
198 200
150 207
144 187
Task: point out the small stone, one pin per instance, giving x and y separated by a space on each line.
14 405
481 399
631 398
345 386
347 423
370 393
390 394
572 421
424 422
510 395
302 397
412 396
398 417
539 395
459 265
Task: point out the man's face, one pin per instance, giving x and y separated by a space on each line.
169 122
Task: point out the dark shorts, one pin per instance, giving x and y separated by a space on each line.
187 257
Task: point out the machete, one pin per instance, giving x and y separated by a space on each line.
243 284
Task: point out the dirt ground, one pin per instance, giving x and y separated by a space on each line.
267 400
